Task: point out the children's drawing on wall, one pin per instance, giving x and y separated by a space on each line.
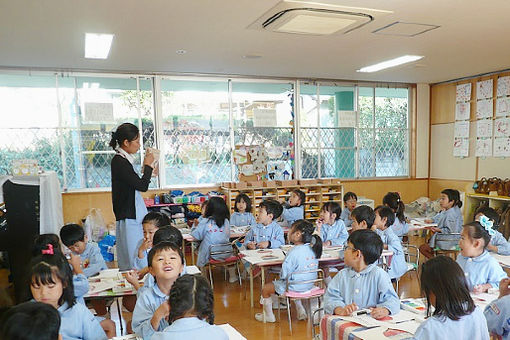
484 128
484 109
463 93
461 129
503 86
502 127
462 111
484 89
460 147
503 107
501 147
483 147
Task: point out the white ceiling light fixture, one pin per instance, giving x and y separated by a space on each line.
390 63
97 46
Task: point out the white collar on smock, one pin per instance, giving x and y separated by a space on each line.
126 155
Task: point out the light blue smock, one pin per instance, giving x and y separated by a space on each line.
128 233
148 300
501 242
398 265
78 323
293 214
300 258
81 287
210 234
191 328
481 270
369 288
399 228
497 314
96 262
346 217
472 326
336 233
140 263
272 232
449 221
238 219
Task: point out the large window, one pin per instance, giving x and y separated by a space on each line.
65 122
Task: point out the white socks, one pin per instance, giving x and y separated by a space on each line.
232 274
301 312
267 305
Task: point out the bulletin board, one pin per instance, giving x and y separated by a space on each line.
251 162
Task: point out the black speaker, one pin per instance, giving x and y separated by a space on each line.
22 206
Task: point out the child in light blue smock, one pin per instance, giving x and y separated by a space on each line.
449 220
488 216
497 313
482 271
166 264
393 201
52 283
191 306
330 227
362 284
242 215
30 320
304 256
455 315
384 218
267 233
215 229
150 223
295 209
350 201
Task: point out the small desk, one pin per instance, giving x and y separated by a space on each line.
504 260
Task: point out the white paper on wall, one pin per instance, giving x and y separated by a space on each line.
346 119
503 86
483 147
484 109
460 147
462 111
503 107
502 127
484 89
484 128
461 129
463 93
501 147
247 169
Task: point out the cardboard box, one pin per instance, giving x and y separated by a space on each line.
269 184
241 185
307 181
289 182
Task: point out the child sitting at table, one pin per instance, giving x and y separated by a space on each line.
384 219
482 271
191 311
267 233
449 220
350 201
304 256
166 263
497 313
455 315
242 215
363 217
294 209
393 201
30 320
150 223
362 284
329 225
498 243
51 282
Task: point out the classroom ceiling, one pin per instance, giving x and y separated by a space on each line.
472 38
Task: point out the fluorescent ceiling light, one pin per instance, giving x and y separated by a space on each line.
97 46
390 63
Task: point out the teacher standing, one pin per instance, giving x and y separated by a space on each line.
128 205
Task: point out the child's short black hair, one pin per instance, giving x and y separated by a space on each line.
490 213
443 277
384 211
364 213
301 195
348 195
368 242
242 196
393 200
307 236
191 294
476 232
41 243
453 195
158 219
217 210
333 208
272 207
168 234
72 233
164 246
30 320
45 267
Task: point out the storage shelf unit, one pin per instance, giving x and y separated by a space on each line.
473 201
316 195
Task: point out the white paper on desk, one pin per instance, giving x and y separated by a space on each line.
100 286
192 270
368 321
402 315
257 256
408 326
483 299
374 333
421 222
232 333
107 274
364 320
502 259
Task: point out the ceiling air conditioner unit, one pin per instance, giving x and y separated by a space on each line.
314 19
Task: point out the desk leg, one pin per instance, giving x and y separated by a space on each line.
262 276
251 284
119 310
193 252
